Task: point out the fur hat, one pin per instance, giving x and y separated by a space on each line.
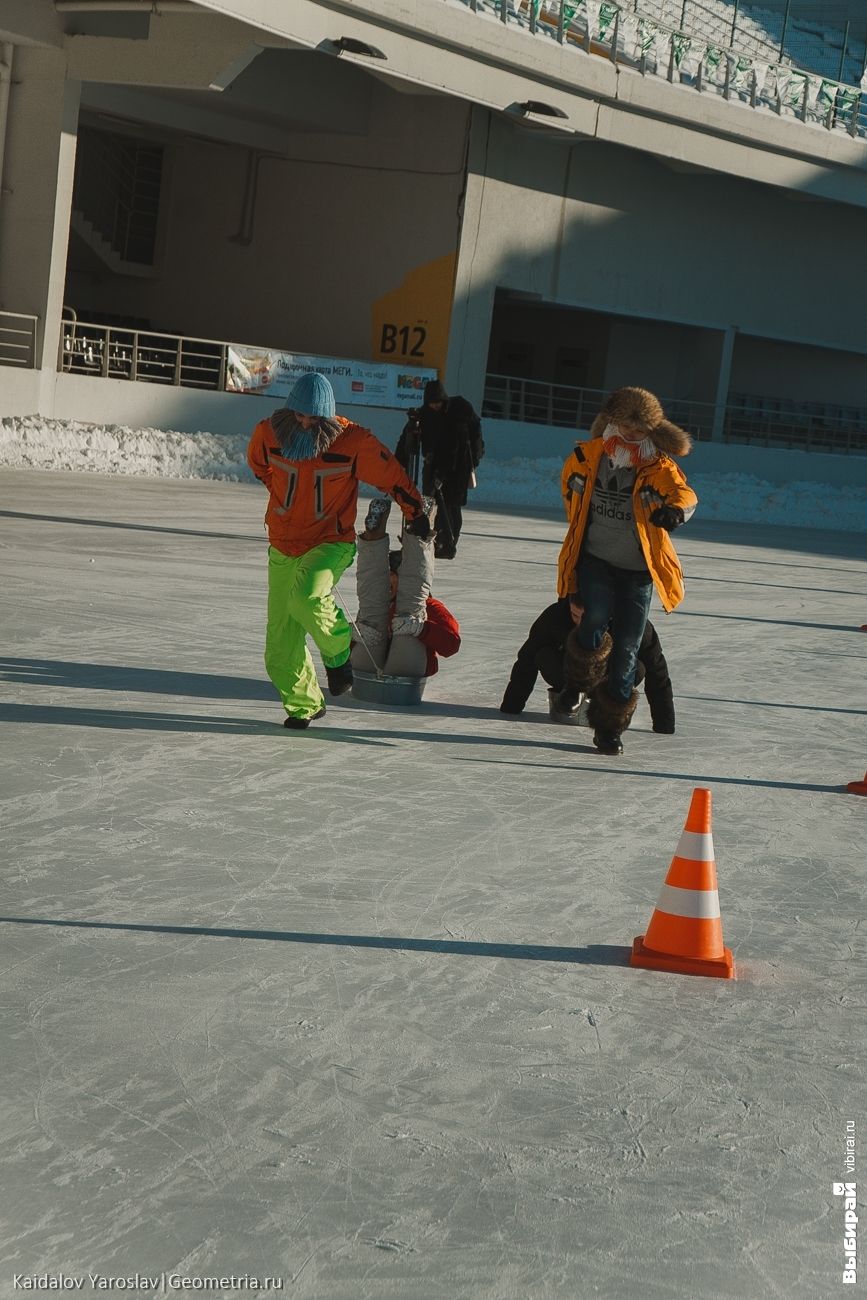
312 394
638 406
434 392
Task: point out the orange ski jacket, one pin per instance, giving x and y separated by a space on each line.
659 483
316 501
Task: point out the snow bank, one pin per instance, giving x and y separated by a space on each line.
31 442
737 498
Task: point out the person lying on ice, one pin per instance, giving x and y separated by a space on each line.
543 652
623 495
311 461
401 627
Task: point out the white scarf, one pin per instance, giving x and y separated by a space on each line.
623 454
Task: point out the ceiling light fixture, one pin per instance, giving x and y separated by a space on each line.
349 45
540 107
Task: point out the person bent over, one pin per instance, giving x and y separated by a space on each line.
311 460
543 652
401 627
624 495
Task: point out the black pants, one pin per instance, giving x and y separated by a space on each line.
549 661
449 522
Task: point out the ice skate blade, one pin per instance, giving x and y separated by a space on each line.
565 719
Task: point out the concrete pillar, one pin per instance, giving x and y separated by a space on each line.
723 382
474 281
36 203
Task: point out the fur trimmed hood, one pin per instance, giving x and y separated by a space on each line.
638 406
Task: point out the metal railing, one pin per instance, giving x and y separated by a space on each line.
629 37
534 401
117 352
114 352
769 422
785 422
785 33
18 339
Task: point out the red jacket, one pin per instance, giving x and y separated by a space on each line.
441 634
316 501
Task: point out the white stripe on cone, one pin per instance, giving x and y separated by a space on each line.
698 904
695 846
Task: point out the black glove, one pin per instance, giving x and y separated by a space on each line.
419 527
667 517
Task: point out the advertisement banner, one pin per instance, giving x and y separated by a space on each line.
269 373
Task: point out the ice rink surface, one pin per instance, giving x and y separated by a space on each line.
350 1007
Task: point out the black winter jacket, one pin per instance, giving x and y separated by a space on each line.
451 446
542 652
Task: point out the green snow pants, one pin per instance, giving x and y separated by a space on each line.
300 604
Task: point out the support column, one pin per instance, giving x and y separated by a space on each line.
36 206
475 279
723 383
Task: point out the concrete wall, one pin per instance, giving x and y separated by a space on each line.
344 214
475 57
38 167
138 405
649 355
531 341
336 223
763 366
614 230
155 406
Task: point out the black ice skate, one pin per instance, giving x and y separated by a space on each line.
301 724
339 679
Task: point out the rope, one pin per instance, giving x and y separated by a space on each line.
379 673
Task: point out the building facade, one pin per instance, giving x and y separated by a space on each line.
538 211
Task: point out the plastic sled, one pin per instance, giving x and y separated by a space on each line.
387 689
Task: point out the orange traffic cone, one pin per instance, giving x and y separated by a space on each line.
858 787
685 931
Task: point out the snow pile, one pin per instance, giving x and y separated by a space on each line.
31 442
743 499
737 498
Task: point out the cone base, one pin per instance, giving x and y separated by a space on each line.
857 787
723 967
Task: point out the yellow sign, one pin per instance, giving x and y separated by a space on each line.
411 323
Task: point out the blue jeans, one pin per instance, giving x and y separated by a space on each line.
619 598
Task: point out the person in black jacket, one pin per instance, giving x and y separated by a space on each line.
447 434
543 652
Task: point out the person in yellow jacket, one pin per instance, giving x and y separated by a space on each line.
624 495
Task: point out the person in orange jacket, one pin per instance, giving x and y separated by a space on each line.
624 495
311 460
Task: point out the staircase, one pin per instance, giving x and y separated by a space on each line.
116 199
